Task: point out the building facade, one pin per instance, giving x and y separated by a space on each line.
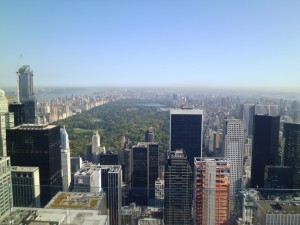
186 132
178 189
212 191
65 159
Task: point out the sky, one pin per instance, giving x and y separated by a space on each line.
159 43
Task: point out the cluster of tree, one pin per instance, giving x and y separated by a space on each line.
128 117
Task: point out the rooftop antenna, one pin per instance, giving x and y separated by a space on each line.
18 79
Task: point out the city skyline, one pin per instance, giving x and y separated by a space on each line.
191 44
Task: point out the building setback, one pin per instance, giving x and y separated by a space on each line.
38 146
211 191
178 189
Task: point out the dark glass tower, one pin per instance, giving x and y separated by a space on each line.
291 133
144 172
19 114
178 189
186 132
265 146
109 158
38 145
149 135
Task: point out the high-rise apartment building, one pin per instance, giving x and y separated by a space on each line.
265 147
186 132
26 95
6 201
26 186
233 147
291 133
149 135
65 159
38 146
144 171
211 191
6 121
178 189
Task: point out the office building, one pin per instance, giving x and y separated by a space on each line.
127 165
265 147
38 146
211 191
6 202
26 95
18 110
76 164
291 133
149 135
26 186
6 121
109 158
233 147
278 177
144 171
94 178
246 201
186 132
178 189
268 212
65 159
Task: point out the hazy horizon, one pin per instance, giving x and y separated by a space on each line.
192 44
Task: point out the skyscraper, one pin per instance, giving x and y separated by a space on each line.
265 146
26 95
144 171
18 110
234 144
186 132
291 133
38 145
149 135
211 191
65 159
178 189
6 121
6 201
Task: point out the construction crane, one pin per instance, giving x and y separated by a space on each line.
18 79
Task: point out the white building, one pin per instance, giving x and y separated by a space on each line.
65 159
6 121
246 202
233 151
159 189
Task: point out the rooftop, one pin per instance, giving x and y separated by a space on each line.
270 206
23 169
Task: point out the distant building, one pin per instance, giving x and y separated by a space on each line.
26 186
38 146
26 95
109 158
76 164
212 191
291 133
233 147
178 189
186 132
278 177
65 159
265 147
149 135
276 212
246 202
6 201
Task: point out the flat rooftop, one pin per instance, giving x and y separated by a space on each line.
33 127
23 169
76 200
186 111
270 206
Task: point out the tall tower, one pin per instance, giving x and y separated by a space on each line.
6 121
265 146
211 191
65 159
38 146
26 95
178 189
234 145
291 133
186 132
144 171
149 135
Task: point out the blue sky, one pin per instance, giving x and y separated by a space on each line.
152 43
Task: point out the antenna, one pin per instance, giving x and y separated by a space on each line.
18 79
